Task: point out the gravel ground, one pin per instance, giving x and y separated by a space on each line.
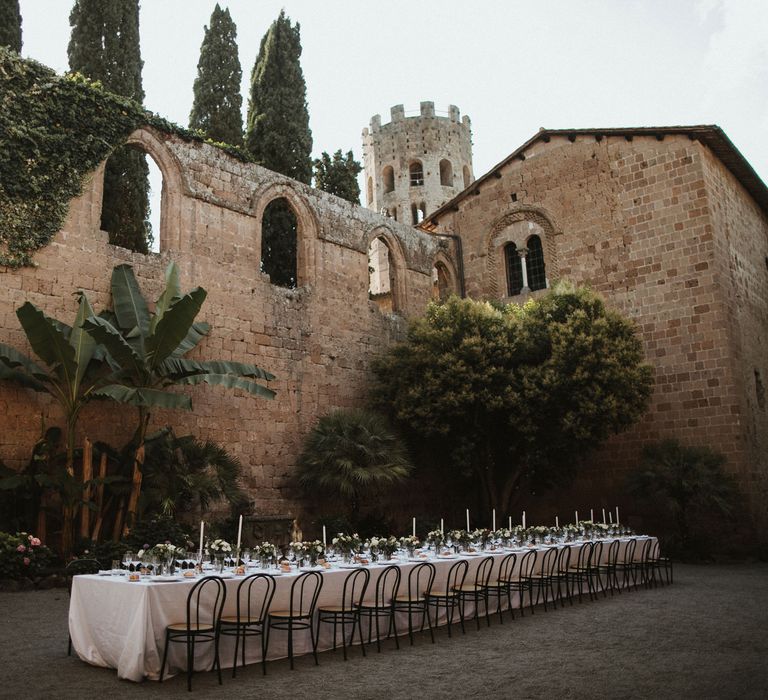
704 637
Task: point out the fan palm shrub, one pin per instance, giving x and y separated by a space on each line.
350 454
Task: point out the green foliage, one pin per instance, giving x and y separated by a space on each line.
181 473
23 556
217 104
338 175
688 486
53 132
277 132
157 530
351 454
514 395
278 243
10 25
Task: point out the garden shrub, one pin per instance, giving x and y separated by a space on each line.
23 556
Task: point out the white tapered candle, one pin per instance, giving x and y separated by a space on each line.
467 519
510 522
414 527
617 515
239 534
523 520
202 533
494 520
442 529
557 522
577 518
610 517
603 516
324 540
591 515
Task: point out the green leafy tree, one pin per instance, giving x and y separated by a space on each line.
279 231
216 109
146 351
688 485
515 395
350 454
104 46
278 133
10 25
338 175
71 377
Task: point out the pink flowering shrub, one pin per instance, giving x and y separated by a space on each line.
22 555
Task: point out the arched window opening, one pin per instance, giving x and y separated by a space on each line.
422 211
441 282
381 275
534 264
388 175
465 172
415 213
514 268
416 172
446 173
279 229
125 205
369 191
394 213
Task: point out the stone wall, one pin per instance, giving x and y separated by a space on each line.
318 339
668 236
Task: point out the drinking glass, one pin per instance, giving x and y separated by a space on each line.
128 561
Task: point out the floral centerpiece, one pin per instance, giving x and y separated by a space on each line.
409 544
460 539
220 549
482 537
266 553
315 551
436 539
375 546
348 545
300 551
389 546
503 535
538 533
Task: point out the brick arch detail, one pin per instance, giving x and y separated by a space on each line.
398 261
445 260
307 227
494 244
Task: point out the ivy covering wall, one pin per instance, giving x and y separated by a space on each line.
54 130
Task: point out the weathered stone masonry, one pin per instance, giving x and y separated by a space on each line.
318 339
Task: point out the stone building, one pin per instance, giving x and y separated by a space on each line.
670 225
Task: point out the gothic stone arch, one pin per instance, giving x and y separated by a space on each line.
397 260
498 237
307 227
442 258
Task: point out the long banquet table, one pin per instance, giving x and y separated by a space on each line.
121 624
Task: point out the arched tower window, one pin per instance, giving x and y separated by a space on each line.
381 275
369 191
388 176
441 282
278 243
465 172
446 173
514 268
534 264
416 172
125 204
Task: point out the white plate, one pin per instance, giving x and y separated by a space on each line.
312 568
165 579
350 566
448 558
469 554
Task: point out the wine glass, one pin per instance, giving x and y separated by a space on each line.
128 561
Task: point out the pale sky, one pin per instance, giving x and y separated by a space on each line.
512 66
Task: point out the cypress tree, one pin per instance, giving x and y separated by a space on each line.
10 25
216 109
278 133
338 175
104 46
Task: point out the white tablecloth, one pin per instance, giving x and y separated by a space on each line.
121 624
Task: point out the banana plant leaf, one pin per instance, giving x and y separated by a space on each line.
179 367
12 359
174 326
116 345
143 396
196 333
48 342
170 295
130 306
228 381
81 341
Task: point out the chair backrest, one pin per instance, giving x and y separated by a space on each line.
563 560
549 561
596 557
528 563
584 556
205 602
78 567
457 575
507 567
254 596
645 551
655 550
629 551
387 586
355 585
420 580
484 570
305 590
613 552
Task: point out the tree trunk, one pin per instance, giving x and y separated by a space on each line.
507 489
138 462
85 511
68 508
96 532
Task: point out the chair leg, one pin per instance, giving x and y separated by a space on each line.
264 647
190 661
69 646
429 623
343 634
165 656
393 627
290 642
360 631
314 633
237 648
216 659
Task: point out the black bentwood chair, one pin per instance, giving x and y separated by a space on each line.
476 591
449 597
626 566
254 596
348 613
580 572
656 563
305 590
609 569
522 581
501 586
204 605
542 579
561 575
383 604
78 567
420 580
